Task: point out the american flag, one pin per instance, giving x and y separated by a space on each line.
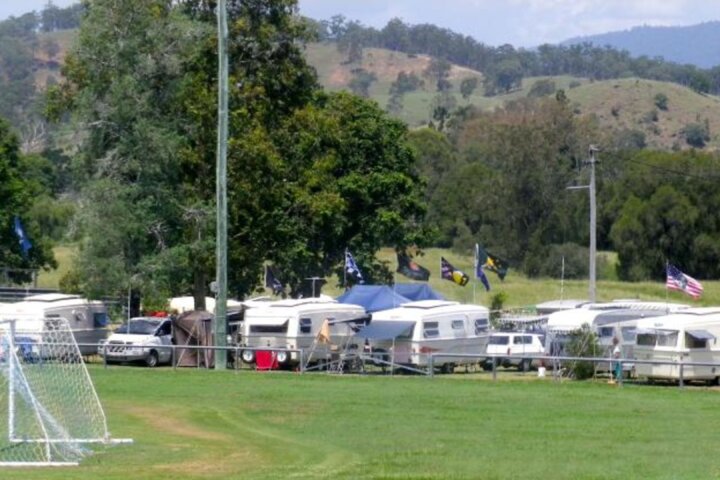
677 280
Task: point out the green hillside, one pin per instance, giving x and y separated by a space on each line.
620 104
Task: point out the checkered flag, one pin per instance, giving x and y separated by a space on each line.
351 268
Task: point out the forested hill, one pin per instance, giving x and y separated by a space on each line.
694 44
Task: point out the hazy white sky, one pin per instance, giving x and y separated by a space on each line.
524 23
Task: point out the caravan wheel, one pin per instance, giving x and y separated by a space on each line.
248 356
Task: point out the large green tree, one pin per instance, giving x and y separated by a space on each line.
18 191
142 83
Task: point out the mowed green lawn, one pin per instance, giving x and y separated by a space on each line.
206 424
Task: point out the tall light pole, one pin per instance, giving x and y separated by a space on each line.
592 291
221 190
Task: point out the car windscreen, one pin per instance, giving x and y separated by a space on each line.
139 327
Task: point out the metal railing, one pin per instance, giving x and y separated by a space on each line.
556 366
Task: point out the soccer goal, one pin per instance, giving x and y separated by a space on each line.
49 410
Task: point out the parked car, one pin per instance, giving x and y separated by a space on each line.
520 348
142 339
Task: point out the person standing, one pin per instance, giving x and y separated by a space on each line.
616 354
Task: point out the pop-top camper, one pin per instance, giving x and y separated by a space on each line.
430 326
294 324
88 319
687 336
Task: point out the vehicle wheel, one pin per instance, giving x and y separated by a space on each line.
524 365
152 359
447 368
487 366
248 356
282 357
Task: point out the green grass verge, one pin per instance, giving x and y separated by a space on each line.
192 424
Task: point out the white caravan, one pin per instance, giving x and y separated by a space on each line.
87 319
294 324
562 323
687 336
432 326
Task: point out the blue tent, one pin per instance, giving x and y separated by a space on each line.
373 297
417 291
382 297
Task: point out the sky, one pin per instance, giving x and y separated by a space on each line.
521 23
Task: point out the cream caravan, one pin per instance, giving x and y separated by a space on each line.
294 324
687 336
431 326
87 319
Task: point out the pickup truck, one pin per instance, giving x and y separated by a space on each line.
142 339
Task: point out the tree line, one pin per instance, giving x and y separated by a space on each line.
505 66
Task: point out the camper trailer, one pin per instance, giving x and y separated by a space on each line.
87 319
562 323
431 326
294 324
687 336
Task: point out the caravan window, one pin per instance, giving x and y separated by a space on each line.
667 338
481 325
628 333
606 332
647 339
430 329
269 328
100 319
458 324
305 325
692 342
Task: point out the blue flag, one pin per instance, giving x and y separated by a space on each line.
23 239
479 272
351 268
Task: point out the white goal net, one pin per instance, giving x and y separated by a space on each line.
49 410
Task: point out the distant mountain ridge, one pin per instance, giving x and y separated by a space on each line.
696 44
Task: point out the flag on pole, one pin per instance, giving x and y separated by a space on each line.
407 267
448 272
479 272
272 281
23 239
677 280
351 268
491 262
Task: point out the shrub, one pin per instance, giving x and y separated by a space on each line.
696 134
661 101
583 343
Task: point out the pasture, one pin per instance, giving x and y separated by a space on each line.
190 424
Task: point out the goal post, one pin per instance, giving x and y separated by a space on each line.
50 410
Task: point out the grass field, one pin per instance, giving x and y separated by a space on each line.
191 424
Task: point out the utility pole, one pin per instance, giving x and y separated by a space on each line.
592 291
221 190
593 224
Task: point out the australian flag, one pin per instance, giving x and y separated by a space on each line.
351 268
23 239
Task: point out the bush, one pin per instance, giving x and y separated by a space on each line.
696 134
661 101
542 88
583 343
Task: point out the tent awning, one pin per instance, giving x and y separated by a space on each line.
700 334
385 330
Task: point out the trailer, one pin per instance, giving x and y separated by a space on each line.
88 319
682 337
294 324
430 326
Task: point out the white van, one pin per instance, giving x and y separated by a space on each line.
687 336
519 347
295 323
145 339
88 319
433 326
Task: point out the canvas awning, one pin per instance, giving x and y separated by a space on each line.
700 334
385 330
